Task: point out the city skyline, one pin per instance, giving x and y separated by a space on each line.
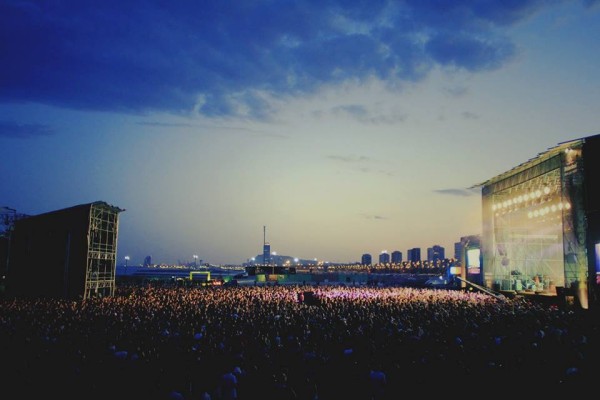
344 127
257 258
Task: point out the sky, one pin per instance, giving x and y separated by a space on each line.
343 127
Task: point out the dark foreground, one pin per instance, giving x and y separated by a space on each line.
273 342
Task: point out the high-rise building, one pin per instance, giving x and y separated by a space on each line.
435 253
414 254
384 257
267 254
396 257
458 248
366 259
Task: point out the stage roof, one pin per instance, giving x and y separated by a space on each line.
541 157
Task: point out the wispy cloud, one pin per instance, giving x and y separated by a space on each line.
349 159
367 170
358 164
220 59
371 216
16 130
458 192
165 124
362 114
355 110
456 91
272 135
470 115
211 127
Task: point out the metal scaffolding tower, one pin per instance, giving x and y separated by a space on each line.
102 250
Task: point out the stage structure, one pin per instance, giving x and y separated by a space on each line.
69 253
541 224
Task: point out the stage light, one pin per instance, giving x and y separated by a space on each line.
567 206
538 193
553 208
536 213
530 214
546 190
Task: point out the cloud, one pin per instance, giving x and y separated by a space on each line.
359 161
349 159
367 170
362 114
356 110
15 130
458 192
469 115
222 60
165 124
456 91
369 216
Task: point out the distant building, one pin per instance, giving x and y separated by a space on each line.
414 254
148 261
396 257
279 260
366 259
458 247
266 256
384 257
435 253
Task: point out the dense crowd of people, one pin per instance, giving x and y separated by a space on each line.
293 342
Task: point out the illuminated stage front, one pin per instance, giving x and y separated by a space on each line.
540 223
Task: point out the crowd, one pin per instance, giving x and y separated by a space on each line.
270 342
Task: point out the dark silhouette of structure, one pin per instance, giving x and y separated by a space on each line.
69 253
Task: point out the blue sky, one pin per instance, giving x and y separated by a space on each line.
344 127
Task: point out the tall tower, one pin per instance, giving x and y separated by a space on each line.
266 248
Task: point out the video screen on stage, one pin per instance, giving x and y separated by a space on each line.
473 261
